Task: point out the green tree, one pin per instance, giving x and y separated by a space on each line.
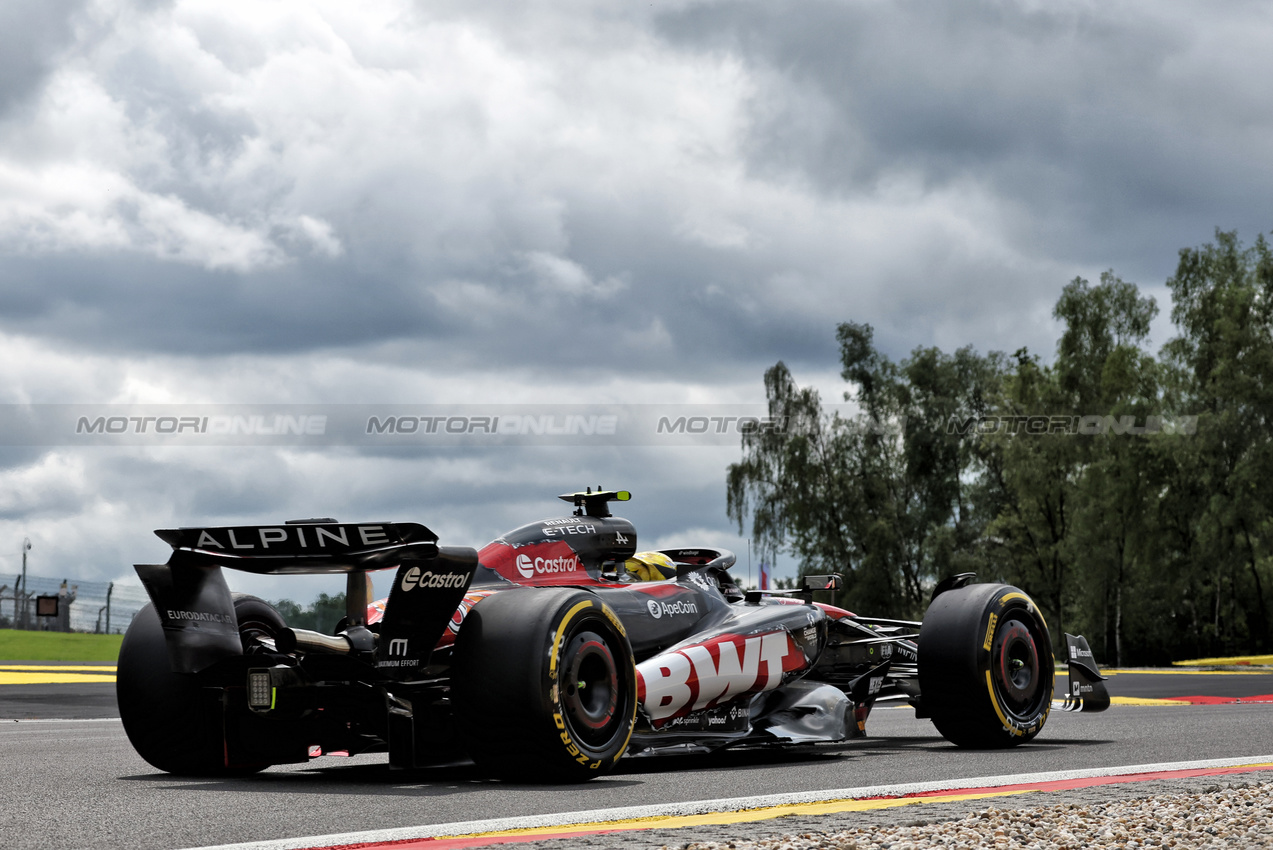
1034 479
794 482
881 496
1072 503
1223 310
321 615
292 613
1068 478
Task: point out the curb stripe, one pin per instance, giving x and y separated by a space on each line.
1259 699
608 827
55 674
9 677
1179 672
797 809
744 809
1208 700
1262 660
96 668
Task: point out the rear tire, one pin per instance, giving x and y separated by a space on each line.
172 721
985 666
257 618
544 685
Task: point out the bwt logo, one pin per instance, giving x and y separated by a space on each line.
529 567
706 675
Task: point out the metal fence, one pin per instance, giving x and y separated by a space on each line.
82 606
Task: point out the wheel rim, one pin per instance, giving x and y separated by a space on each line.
1017 672
590 687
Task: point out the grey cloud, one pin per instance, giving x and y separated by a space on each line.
466 497
1090 136
560 216
422 253
116 304
33 35
1108 128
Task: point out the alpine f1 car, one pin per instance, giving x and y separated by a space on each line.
551 653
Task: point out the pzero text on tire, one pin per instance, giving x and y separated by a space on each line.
544 685
985 666
172 722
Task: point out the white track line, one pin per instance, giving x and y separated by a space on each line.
707 806
24 721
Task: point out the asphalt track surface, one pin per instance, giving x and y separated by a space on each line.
70 778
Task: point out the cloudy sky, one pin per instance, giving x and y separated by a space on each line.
586 203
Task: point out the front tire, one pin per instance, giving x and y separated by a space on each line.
172 721
985 666
544 685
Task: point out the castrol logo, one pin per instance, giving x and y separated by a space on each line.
529 567
415 578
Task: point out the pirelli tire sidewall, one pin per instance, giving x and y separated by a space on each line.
986 672
520 658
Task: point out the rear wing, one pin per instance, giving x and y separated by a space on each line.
196 609
302 547
808 586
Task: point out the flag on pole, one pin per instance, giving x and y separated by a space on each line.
764 575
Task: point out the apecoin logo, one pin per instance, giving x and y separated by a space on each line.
658 609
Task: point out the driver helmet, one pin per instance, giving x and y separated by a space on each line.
650 566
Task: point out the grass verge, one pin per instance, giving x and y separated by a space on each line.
18 645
